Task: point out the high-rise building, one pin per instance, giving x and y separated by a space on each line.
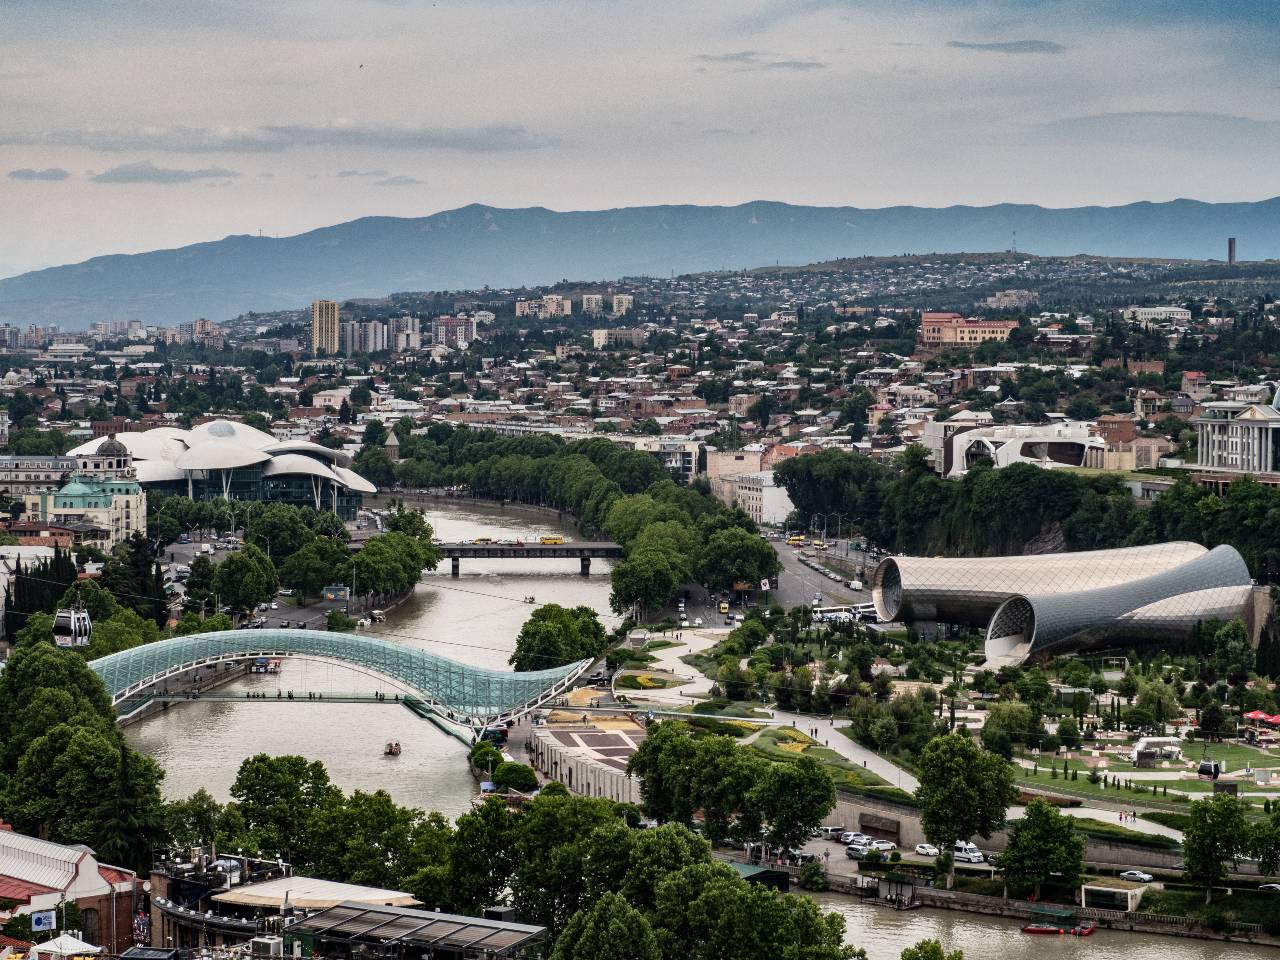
622 303
593 304
324 326
1231 251
453 331
370 337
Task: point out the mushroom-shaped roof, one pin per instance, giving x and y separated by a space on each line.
339 457
73 489
220 455
157 471
162 443
233 432
287 463
353 481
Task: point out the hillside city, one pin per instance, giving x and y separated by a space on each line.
938 583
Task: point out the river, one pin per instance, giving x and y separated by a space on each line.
474 619
883 933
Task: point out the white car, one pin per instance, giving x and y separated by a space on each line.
926 849
697 621
854 837
1137 876
1270 887
884 846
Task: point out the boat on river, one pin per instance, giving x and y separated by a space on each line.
392 749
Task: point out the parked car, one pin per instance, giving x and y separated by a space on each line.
1268 887
831 833
855 851
966 852
697 621
884 846
926 849
1137 876
853 836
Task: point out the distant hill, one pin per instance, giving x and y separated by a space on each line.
478 245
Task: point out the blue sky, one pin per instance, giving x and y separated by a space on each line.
134 124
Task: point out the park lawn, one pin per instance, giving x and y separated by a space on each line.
1175 821
1234 755
1082 789
1101 830
646 681
661 645
786 744
722 707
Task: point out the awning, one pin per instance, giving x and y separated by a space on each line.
64 946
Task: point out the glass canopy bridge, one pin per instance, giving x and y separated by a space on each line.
453 692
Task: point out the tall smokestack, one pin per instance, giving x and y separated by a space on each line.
1231 251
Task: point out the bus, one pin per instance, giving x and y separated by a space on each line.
551 540
724 606
796 540
483 541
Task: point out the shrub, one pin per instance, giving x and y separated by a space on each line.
813 876
515 776
485 756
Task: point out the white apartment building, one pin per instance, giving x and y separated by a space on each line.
1149 315
593 304
623 303
761 499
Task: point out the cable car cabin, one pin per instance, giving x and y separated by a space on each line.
1209 770
72 628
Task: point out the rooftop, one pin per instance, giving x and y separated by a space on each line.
310 893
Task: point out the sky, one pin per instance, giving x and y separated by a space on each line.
130 125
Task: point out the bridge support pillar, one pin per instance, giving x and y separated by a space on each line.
585 566
456 564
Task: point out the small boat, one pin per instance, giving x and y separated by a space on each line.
392 749
362 622
1043 928
530 600
1084 929
377 616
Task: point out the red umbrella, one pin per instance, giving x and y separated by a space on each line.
1256 715
1274 720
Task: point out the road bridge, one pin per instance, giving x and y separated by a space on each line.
459 694
582 550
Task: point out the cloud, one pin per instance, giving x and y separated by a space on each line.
51 173
274 138
398 181
757 60
1180 129
361 173
1011 46
147 172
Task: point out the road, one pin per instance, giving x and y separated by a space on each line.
797 584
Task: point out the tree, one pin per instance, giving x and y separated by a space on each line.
279 531
483 856
1216 835
1043 843
611 929
319 563
1232 650
555 635
665 764
656 854
277 797
735 554
793 798
200 583
410 522
515 776
930 950
245 579
963 791
1159 700
375 465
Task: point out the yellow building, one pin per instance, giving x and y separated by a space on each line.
324 327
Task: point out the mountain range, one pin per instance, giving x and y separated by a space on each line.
477 245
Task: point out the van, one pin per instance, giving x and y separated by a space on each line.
966 852
854 584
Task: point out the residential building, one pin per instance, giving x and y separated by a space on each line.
615 336
623 303
1152 315
454 332
324 327
554 305
1010 300
593 304
368 337
730 463
36 875
761 499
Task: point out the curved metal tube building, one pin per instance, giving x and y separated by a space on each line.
1167 605
968 590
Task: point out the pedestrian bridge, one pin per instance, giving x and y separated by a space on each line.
460 694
